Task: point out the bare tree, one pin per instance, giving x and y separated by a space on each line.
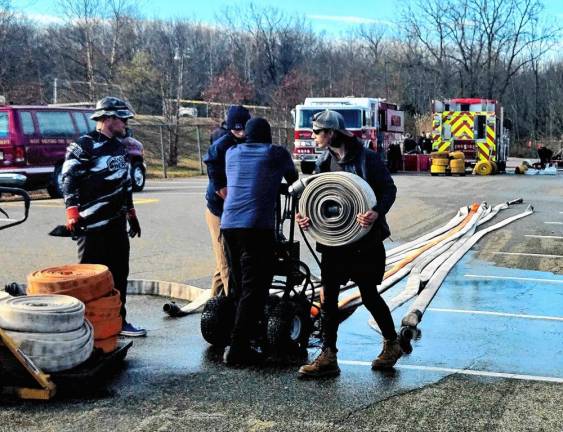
485 41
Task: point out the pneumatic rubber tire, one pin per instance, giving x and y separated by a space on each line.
55 186
289 327
138 176
217 320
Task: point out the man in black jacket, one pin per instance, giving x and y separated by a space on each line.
237 116
98 196
362 261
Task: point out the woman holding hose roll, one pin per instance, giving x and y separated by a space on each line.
362 261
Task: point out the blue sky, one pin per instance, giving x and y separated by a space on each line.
329 15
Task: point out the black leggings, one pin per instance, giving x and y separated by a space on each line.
366 268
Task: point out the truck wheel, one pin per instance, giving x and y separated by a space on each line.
55 186
138 176
217 320
307 167
289 327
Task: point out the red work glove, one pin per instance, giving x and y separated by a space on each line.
134 226
72 217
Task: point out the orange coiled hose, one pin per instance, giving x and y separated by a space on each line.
104 308
86 282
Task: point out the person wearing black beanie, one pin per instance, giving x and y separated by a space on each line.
237 116
254 170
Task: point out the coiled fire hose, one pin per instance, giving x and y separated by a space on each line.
93 285
50 329
43 313
332 201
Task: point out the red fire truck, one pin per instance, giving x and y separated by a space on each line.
473 126
376 122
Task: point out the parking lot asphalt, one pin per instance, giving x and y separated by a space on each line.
490 355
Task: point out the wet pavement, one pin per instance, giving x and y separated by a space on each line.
490 356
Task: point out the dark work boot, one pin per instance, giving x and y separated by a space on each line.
239 356
324 365
389 355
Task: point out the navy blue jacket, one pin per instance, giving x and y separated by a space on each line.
215 161
367 164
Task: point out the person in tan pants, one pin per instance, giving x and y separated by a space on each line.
237 116
220 278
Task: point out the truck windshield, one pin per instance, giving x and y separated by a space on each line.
352 117
3 124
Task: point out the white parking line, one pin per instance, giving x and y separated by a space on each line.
526 254
546 237
463 371
554 223
502 314
557 281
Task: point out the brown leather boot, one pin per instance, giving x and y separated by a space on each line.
389 355
324 365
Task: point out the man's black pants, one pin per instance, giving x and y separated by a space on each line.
109 246
366 268
250 253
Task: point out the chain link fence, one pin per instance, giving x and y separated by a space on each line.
193 143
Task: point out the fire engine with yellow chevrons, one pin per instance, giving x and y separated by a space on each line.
473 126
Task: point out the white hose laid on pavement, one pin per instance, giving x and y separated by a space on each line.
4 296
416 279
415 312
426 265
416 243
332 202
42 314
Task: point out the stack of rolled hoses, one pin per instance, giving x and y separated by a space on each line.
332 202
93 285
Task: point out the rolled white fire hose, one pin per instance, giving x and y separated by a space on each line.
50 329
42 314
332 202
